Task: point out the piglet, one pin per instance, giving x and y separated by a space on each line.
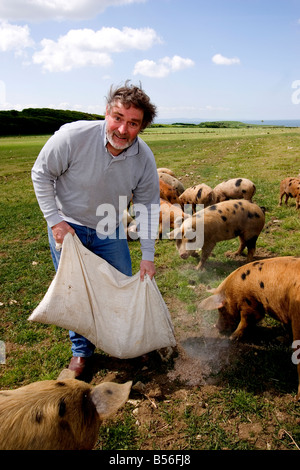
167 216
222 221
290 187
235 188
198 194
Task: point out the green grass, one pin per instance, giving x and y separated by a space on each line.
253 389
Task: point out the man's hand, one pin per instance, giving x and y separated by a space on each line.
60 230
147 267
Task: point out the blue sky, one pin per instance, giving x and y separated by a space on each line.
206 60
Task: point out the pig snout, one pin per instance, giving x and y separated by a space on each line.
226 324
183 251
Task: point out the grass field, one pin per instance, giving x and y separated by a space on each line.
212 395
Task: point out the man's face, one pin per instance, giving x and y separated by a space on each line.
122 126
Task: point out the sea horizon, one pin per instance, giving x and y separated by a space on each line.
261 122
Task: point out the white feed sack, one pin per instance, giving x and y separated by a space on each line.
121 315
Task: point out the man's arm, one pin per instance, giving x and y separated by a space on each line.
51 162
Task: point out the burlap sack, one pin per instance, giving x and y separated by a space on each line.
121 315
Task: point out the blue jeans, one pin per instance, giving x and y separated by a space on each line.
113 249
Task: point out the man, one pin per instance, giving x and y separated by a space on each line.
89 166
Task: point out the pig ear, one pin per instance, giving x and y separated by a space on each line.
214 302
108 397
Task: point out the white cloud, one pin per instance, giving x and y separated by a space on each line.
221 60
84 47
163 67
149 68
56 9
14 38
66 58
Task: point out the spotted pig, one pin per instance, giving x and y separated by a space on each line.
167 216
290 187
168 193
236 188
222 221
166 170
172 181
198 194
264 287
63 414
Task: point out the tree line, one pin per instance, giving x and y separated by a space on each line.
39 121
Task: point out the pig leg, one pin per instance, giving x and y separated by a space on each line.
251 247
298 370
160 230
280 197
249 316
242 246
206 251
239 332
294 314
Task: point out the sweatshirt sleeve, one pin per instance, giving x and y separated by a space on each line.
146 204
51 162
148 230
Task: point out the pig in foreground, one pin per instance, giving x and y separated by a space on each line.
290 187
270 286
62 414
222 221
236 188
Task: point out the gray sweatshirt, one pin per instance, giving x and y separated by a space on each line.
76 179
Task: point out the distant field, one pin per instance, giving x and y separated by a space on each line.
255 388
197 132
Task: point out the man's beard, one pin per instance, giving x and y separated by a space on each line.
117 146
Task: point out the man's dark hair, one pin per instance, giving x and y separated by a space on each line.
131 95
